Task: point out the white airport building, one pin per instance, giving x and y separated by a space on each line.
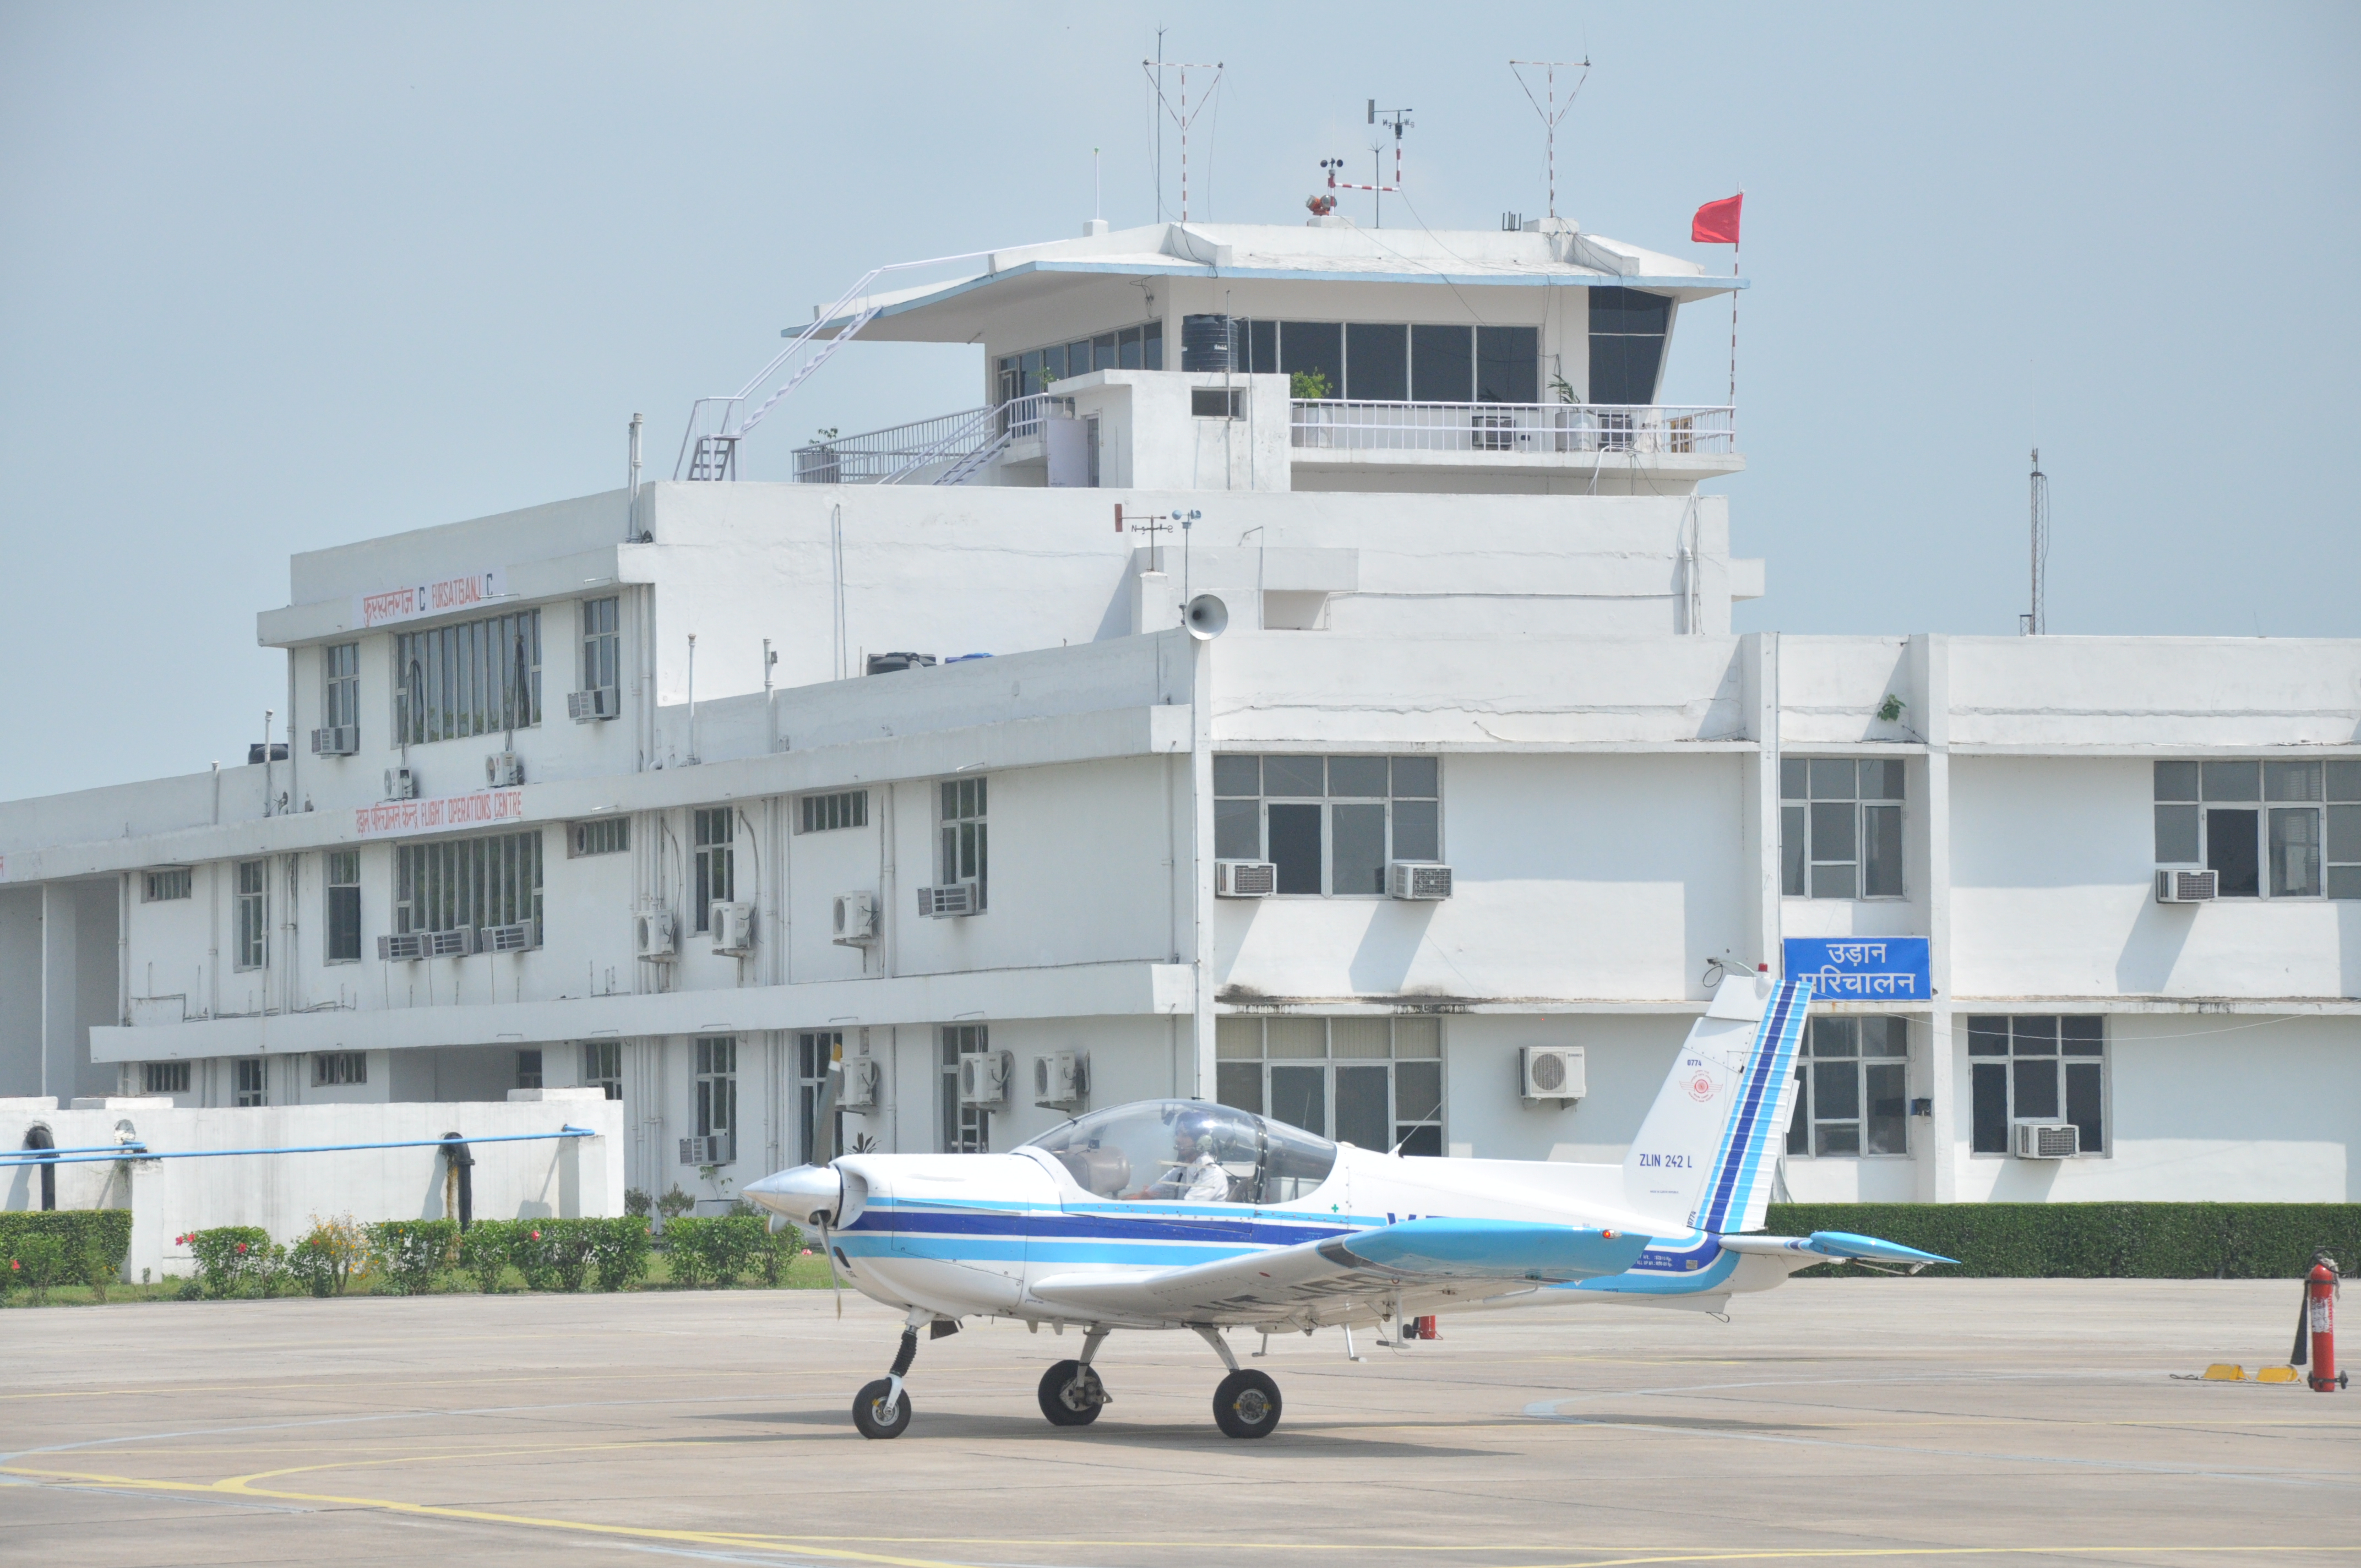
1438 844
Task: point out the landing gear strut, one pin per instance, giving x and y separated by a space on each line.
883 1408
1246 1404
1072 1393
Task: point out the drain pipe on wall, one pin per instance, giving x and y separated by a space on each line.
692 697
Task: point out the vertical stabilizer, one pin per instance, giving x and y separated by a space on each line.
1704 1155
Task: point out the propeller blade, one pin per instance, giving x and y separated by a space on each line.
836 1286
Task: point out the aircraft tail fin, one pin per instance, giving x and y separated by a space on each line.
1705 1155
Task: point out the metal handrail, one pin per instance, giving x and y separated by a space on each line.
142 1152
888 456
1511 429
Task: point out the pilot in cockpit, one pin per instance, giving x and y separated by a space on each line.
1194 1174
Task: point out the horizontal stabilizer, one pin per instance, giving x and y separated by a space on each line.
1487 1249
1834 1243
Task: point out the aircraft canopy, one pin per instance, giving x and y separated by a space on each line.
1188 1151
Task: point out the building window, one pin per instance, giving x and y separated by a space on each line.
163 886
453 883
716 1092
1839 828
1385 362
475 678
603 836
602 644
166 1076
967 1129
602 1067
962 842
341 703
1329 824
1217 403
253 918
344 906
246 1082
818 1141
1627 345
528 1068
2037 1070
1855 1095
712 828
332 1068
1376 1083
1138 347
2266 829
822 813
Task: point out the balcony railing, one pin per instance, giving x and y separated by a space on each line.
1511 430
883 457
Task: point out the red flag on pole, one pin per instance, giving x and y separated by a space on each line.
1717 222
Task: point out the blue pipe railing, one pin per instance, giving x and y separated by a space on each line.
93 1148
140 1151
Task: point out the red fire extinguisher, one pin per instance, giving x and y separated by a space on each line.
2315 1326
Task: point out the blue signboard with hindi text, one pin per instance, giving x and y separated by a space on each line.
1861 969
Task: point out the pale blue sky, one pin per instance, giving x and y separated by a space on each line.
277 277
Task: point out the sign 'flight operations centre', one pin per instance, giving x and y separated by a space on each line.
1861 969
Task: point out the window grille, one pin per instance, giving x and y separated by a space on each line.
253 932
478 677
1841 827
818 1142
1329 823
451 884
163 886
528 1068
168 1076
602 643
2038 1069
247 1081
344 906
823 813
967 1129
714 882
1855 1095
717 1090
1376 1083
341 668
963 858
334 1068
602 1067
2266 829
601 836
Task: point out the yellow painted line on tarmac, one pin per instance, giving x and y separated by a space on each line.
343 1386
1875 1551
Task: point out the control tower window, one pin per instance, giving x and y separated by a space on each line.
1627 345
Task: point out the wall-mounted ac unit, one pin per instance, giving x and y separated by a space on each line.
337 741
408 947
655 935
1417 880
732 926
983 1077
2181 886
503 770
512 939
952 899
2048 1140
402 784
598 702
717 1148
855 920
457 944
1061 1082
861 1076
1244 879
1551 1073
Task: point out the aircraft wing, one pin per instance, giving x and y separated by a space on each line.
1471 1257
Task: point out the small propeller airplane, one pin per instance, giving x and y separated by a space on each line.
1187 1214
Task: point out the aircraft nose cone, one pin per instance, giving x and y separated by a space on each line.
798 1193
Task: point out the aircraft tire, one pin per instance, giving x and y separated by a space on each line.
866 1404
1247 1405
1055 1384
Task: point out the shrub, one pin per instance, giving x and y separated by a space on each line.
714 1251
411 1253
234 1260
674 1203
637 1204
484 1248
331 1255
84 1246
618 1249
2100 1241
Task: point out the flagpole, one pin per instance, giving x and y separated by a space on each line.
1733 340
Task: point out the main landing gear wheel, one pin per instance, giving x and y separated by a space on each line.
1247 1405
869 1409
1071 1394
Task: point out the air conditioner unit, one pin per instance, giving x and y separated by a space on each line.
2048 1140
598 702
337 741
732 926
400 783
983 1077
1061 1082
408 947
861 1076
513 938
1244 879
1551 1073
952 899
456 944
2188 886
717 1148
855 920
503 770
1418 879
655 935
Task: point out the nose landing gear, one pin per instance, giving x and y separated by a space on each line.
883 1408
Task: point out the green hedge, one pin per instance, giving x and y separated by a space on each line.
408 1253
63 1246
556 1255
234 1260
2096 1241
717 1251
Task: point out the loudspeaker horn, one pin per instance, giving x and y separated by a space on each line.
1206 618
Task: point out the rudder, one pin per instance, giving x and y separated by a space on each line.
1703 1156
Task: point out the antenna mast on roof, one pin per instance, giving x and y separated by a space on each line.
1183 114
1551 114
2035 622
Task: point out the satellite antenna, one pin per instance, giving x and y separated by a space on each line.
2036 622
1182 114
1552 113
